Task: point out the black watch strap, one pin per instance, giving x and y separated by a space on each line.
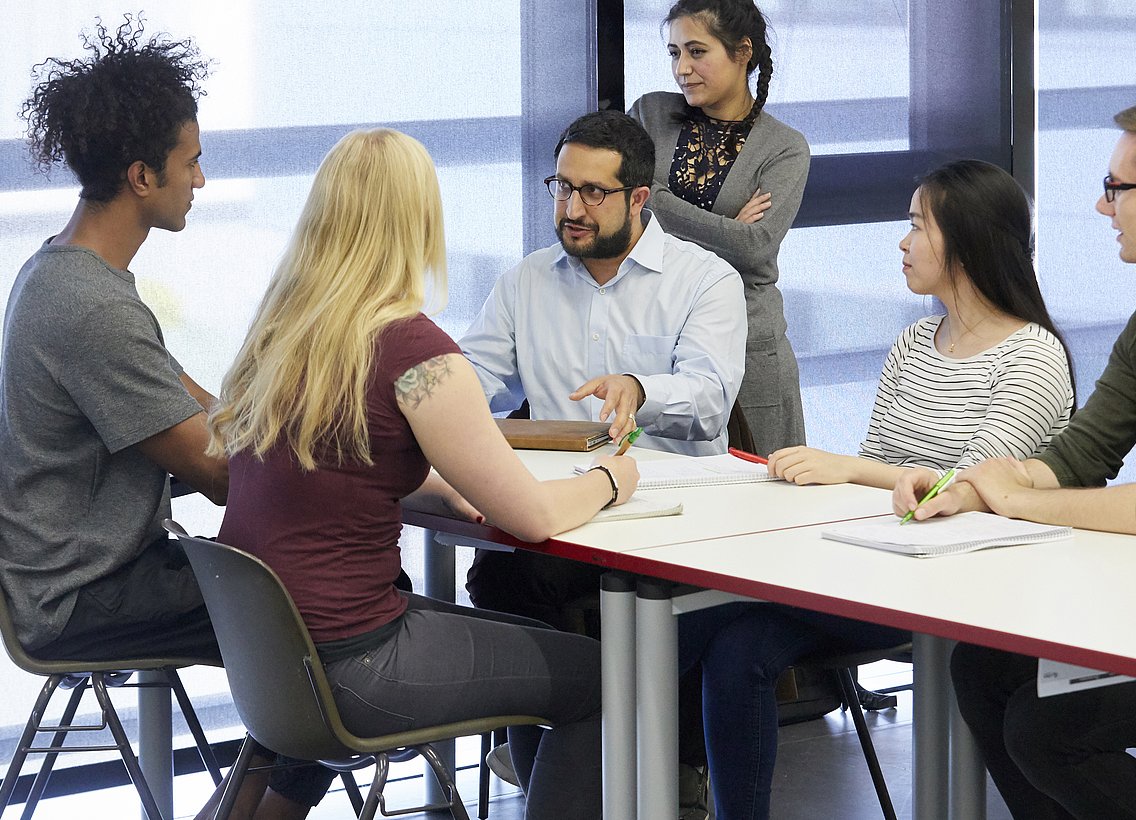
614 485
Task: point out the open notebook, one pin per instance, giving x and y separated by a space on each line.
696 471
944 536
636 507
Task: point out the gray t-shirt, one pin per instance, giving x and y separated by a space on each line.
84 375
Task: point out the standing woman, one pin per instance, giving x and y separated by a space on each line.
342 397
732 183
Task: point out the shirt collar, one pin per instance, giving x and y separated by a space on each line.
647 253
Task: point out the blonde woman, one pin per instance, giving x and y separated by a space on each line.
342 397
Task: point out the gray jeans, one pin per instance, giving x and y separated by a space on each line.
450 663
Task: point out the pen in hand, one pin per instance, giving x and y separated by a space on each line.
939 486
628 440
744 456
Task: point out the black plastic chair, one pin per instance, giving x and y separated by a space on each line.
81 676
842 665
279 688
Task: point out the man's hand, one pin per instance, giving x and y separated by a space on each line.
807 465
755 207
914 484
622 395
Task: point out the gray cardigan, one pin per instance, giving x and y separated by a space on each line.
775 158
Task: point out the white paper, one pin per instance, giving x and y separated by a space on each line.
696 470
636 507
944 535
1056 678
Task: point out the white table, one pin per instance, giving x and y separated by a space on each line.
1066 600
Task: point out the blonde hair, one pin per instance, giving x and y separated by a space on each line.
1126 119
369 237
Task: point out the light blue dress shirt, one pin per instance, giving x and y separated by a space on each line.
674 317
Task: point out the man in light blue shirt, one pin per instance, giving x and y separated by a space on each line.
620 321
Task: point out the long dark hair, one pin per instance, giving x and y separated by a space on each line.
731 22
985 219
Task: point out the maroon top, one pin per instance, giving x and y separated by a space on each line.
332 534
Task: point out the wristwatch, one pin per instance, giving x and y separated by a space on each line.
614 485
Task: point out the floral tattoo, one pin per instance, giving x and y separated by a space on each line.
419 382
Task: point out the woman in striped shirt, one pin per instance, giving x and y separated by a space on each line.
991 377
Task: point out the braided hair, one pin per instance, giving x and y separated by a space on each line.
731 22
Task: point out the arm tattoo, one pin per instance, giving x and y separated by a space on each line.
419 382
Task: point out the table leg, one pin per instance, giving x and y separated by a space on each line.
656 671
440 579
617 651
930 731
155 740
968 773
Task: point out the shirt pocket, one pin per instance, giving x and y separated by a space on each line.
649 355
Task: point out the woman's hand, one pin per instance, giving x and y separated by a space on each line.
755 208
917 481
626 473
806 465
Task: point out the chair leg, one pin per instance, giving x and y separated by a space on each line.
128 758
375 794
446 781
483 776
208 758
848 687
39 785
236 779
353 793
8 786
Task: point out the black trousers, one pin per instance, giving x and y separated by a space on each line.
1056 757
152 607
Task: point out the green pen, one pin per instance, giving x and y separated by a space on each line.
628 440
940 485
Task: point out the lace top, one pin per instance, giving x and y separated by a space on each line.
704 154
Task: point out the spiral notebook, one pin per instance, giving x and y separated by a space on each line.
696 471
944 536
636 507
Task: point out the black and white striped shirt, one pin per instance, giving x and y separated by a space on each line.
934 411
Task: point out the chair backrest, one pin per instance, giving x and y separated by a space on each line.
275 675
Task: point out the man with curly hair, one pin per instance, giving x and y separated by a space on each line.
95 413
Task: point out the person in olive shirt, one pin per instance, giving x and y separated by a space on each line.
1064 756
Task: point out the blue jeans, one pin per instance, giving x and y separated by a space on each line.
743 648
449 663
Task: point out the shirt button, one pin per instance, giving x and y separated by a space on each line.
595 337
603 290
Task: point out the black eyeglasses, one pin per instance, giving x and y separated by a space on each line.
1110 188
589 194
